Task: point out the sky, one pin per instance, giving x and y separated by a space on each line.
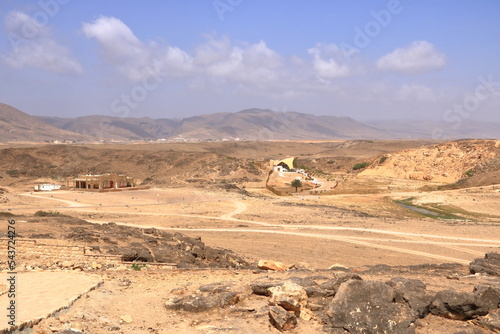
366 59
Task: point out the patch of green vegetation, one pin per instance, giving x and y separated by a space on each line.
13 172
52 166
382 160
147 180
137 266
360 165
6 214
228 157
330 162
436 211
469 173
42 213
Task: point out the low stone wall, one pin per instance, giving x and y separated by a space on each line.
44 251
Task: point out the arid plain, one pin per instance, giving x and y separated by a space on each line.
413 203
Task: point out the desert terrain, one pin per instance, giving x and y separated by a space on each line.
204 218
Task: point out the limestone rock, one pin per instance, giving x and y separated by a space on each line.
271 265
281 319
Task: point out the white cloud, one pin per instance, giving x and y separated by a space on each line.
329 62
33 45
132 57
247 63
419 57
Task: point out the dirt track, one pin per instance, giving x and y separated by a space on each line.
219 224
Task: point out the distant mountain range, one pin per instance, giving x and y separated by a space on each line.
250 124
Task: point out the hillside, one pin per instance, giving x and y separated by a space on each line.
116 128
16 125
258 124
443 163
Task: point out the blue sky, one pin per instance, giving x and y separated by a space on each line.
370 60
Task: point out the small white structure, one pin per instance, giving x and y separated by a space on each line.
47 187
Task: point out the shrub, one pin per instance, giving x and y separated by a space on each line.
360 165
228 157
137 266
42 213
469 173
13 172
6 214
382 160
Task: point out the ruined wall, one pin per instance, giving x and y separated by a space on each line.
34 251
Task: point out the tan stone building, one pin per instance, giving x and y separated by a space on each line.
102 182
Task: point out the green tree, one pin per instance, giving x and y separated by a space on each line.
296 183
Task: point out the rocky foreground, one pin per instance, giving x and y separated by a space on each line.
446 298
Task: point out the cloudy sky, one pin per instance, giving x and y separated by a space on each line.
367 59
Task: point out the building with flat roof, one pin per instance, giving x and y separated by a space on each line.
103 182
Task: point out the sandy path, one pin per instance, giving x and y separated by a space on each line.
240 207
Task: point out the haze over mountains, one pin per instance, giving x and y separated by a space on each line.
250 124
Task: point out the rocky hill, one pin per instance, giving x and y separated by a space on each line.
16 125
116 128
443 163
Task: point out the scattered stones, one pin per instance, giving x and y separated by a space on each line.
271 265
281 319
490 265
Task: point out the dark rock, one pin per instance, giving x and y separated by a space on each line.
490 321
198 303
281 319
304 282
412 292
465 305
487 297
369 307
215 287
316 292
262 287
334 283
490 265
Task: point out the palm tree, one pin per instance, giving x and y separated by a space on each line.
296 183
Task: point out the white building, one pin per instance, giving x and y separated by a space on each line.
47 187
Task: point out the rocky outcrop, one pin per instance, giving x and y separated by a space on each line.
369 307
490 265
465 305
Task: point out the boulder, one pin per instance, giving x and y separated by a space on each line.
197 303
465 305
271 265
490 265
290 296
412 292
368 307
262 287
334 283
281 319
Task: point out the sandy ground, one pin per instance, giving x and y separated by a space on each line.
315 231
